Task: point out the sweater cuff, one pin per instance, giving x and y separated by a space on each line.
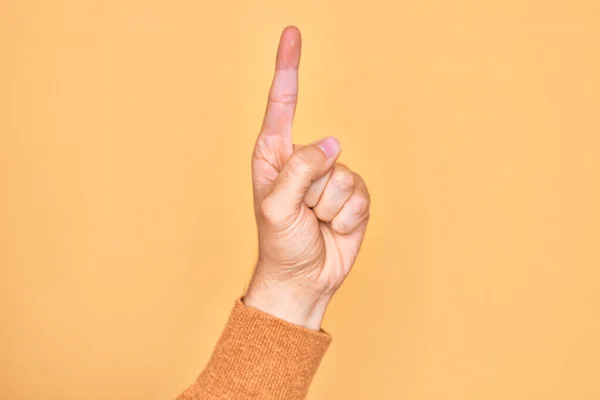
254 319
263 357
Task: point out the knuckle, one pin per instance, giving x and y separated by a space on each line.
360 205
341 225
275 214
359 180
268 210
282 97
260 146
301 165
344 180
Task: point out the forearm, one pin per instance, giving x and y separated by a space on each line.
260 356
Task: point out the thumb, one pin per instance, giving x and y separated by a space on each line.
304 167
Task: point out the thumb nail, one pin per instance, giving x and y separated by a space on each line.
330 146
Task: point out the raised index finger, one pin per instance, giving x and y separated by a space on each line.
283 94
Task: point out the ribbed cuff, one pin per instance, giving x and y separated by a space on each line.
262 357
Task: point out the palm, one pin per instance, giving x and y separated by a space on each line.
326 255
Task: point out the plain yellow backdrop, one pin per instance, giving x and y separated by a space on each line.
126 225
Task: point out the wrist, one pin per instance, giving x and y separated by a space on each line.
292 302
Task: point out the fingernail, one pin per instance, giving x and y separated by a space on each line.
330 146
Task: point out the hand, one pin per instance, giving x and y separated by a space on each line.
311 212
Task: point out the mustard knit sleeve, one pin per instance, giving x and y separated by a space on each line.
260 357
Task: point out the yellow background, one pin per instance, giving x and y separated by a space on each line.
126 222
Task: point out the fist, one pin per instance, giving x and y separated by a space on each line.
311 212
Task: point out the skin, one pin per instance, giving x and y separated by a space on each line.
311 211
